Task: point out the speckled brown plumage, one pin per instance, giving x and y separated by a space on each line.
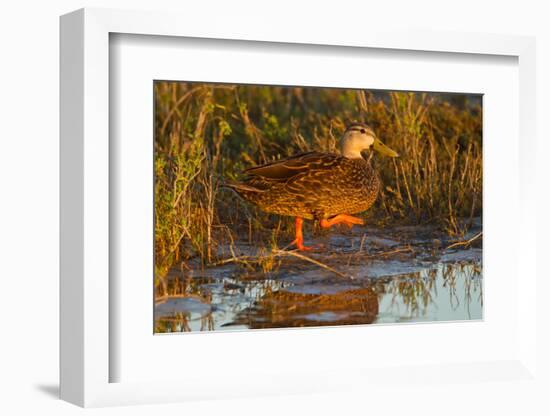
311 185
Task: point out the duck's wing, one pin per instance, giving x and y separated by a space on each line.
288 168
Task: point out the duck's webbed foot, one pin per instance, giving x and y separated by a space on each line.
341 219
301 247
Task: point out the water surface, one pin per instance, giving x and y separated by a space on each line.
383 277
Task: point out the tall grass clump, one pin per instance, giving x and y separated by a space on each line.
438 177
208 133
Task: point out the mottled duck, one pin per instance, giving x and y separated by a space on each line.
319 186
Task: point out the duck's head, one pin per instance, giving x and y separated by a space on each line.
359 138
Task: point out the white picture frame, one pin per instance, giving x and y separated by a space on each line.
85 221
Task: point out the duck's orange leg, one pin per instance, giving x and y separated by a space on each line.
299 241
341 219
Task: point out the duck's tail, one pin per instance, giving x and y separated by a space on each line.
239 186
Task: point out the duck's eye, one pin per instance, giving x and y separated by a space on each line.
363 131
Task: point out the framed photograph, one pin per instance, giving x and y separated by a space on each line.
275 213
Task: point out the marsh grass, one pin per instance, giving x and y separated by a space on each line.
206 134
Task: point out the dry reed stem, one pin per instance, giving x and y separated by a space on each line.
387 253
278 252
175 107
466 242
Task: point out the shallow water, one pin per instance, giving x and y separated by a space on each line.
395 280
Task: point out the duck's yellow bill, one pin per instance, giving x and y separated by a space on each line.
383 149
